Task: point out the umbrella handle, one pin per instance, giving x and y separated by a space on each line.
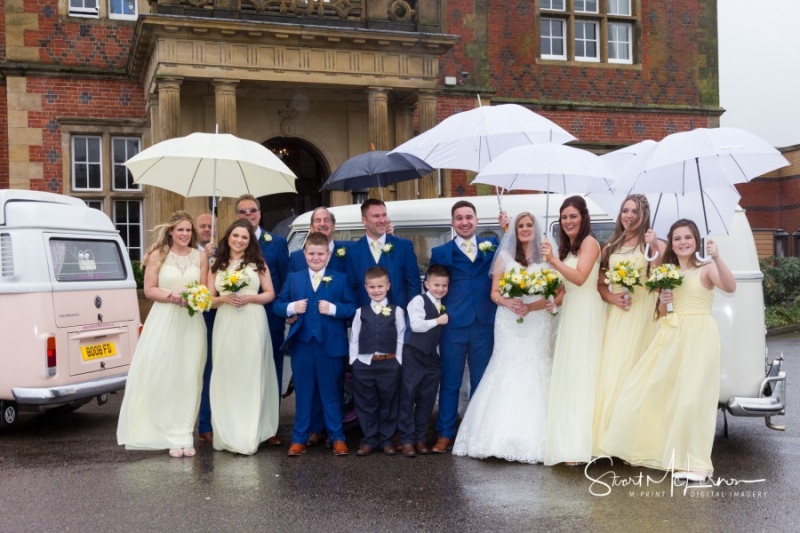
647 253
701 256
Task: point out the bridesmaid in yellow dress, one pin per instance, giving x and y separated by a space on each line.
162 395
630 317
244 388
576 355
666 414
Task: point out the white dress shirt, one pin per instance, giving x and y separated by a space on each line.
416 313
460 243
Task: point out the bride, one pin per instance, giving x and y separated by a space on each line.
506 416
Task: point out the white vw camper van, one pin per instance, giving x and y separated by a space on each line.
749 384
69 318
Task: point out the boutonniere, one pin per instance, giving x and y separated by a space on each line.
442 309
485 247
384 310
340 252
388 247
267 237
327 280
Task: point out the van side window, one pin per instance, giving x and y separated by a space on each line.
425 239
86 260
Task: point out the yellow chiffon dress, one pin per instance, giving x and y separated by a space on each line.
576 356
244 389
666 414
162 395
628 333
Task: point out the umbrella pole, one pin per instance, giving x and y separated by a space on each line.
701 254
653 223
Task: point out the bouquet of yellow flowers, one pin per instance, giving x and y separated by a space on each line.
234 281
546 282
665 277
516 283
624 274
197 297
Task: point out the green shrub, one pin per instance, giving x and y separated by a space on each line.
782 315
138 274
781 280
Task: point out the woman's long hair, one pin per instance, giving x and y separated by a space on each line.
619 236
252 254
669 255
164 239
565 246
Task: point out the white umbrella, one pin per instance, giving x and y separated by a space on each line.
702 160
470 140
551 168
212 164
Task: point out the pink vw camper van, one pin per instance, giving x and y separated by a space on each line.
69 318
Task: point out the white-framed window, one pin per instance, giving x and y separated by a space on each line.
619 7
553 5
95 203
123 9
84 8
620 43
586 6
553 38
87 163
100 179
122 149
595 31
586 41
127 218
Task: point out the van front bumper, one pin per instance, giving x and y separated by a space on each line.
68 393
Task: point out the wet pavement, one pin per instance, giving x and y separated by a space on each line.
65 472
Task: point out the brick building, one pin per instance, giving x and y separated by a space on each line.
85 84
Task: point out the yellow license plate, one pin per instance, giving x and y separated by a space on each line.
98 351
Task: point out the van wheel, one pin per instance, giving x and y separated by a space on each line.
8 414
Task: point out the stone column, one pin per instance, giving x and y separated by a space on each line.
378 98
169 118
426 104
225 115
404 130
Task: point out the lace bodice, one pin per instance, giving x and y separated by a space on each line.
177 271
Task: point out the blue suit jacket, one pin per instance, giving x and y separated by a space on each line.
276 255
468 298
311 325
401 263
297 261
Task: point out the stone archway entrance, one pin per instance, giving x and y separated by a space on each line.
311 171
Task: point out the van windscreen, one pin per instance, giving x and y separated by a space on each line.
86 260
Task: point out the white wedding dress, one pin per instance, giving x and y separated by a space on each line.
506 416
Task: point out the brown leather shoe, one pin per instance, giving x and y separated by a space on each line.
389 449
408 450
340 448
443 445
207 436
364 450
422 448
314 439
274 441
296 449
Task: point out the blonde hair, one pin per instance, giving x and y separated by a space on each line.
164 239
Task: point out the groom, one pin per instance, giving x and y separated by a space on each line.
469 336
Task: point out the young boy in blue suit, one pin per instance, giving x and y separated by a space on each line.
317 340
376 351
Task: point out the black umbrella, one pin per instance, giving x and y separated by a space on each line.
377 168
